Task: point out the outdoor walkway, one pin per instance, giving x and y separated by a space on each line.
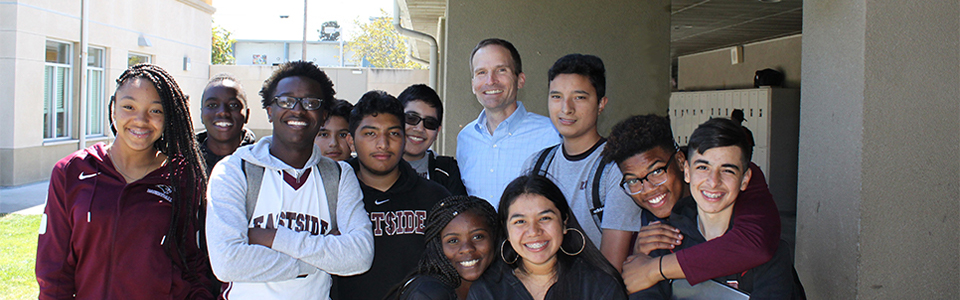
26 199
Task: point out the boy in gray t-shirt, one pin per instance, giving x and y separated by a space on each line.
577 86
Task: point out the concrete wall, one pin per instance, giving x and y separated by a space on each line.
879 189
632 38
713 70
25 26
350 84
324 54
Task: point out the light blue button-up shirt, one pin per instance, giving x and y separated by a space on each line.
489 162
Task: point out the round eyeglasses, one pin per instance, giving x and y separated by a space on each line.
289 102
657 177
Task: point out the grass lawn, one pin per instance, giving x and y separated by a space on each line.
19 255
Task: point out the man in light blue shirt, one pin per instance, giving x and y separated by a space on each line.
491 149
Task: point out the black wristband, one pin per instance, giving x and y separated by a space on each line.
661 269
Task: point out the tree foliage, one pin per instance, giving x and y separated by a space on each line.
381 45
221 50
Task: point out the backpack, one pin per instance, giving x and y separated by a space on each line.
597 210
329 174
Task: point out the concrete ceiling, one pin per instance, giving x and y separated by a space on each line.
696 25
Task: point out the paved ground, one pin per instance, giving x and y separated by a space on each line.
25 199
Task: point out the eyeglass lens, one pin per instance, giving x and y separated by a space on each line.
430 123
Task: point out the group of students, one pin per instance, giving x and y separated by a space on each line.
347 201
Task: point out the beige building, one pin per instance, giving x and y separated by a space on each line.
50 104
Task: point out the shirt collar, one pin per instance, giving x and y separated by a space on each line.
511 123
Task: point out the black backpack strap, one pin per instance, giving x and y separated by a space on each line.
330 175
254 175
597 209
548 152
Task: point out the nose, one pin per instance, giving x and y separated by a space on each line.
383 142
334 143
713 178
467 247
222 111
567 106
492 79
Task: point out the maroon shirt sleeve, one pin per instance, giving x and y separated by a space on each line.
752 241
55 266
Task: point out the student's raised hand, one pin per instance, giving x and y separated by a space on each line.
655 236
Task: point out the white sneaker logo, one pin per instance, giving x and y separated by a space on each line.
85 176
378 202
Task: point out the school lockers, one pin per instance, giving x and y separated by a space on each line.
772 114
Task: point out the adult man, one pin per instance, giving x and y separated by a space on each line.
577 96
223 113
423 113
491 149
644 150
277 239
718 169
395 196
332 138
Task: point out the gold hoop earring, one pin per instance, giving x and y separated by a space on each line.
504 257
582 245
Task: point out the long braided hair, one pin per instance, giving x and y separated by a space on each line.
433 262
186 166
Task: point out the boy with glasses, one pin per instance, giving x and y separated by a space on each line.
423 114
281 218
643 147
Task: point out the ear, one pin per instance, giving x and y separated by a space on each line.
350 142
522 78
269 112
681 158
686 171
603 104
246 115
746 178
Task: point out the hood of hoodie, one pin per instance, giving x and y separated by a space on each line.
259 154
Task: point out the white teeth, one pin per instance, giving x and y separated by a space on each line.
296 123
222 124
493 92
417 138
139 132
469 263
711 195
658 199
536 245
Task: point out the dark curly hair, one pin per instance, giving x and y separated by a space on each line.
221 77
434 262
298 68
587 65
373 103
638 134
180 146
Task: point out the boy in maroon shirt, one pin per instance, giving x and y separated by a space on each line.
643 148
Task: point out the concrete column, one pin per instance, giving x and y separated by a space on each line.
879 181
632 38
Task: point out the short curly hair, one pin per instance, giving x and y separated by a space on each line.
638 134
298 68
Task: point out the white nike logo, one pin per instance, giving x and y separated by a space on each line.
85 176
378 202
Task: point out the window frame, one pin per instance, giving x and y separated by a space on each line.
50 91
98 100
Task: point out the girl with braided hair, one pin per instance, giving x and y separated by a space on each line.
461 237
123 220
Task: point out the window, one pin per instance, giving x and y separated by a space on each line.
56 93
136 58
96 100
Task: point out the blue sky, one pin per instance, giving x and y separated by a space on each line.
260 20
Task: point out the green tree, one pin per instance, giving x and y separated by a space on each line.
381 44
221 50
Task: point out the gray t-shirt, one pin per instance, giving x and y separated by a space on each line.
422 166
574 176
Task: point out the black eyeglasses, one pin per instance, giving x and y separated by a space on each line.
429 123
657 177
289 102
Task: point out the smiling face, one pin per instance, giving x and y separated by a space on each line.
535 230
716 177
378 141
332 138
137 115
419 138
295 128
494 82
658 199
574 106
468 244
223 112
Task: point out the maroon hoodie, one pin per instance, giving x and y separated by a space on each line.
100 238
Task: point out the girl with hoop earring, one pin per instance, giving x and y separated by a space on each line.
545 254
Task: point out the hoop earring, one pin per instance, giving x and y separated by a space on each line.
582 245
504 257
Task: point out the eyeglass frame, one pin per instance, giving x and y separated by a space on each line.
301 100
408 115
626 188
